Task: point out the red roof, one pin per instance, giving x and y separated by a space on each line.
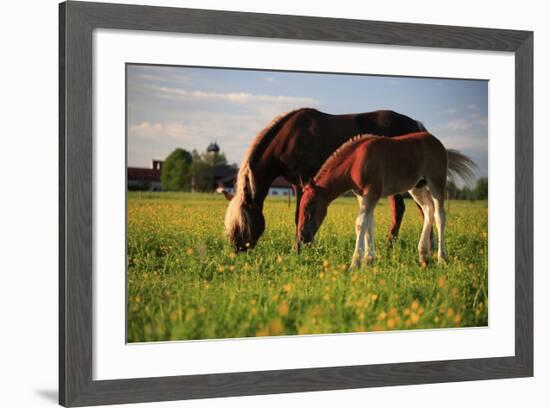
229 181
281 183
138 173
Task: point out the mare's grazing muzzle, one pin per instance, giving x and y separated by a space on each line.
304 237
246 238
243 244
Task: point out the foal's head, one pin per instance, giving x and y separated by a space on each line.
313 209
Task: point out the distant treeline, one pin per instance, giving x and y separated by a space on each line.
185 171
193 171
480 191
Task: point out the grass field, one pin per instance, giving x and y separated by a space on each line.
184 281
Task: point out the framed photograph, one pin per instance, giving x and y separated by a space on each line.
255 204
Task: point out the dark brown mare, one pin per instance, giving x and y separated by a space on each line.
294 146
374 167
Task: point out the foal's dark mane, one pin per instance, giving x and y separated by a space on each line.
343 149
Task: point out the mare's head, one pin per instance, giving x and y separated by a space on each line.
244 223
313 209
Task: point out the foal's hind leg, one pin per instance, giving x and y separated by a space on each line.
397 206
433 240
424 199
438 194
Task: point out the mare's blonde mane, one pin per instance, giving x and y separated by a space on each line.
236 217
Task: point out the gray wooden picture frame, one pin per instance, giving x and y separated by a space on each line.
77 20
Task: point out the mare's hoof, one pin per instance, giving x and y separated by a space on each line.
391 239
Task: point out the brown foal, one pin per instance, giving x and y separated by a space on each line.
374 167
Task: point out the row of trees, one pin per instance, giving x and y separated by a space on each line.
184 171
479 192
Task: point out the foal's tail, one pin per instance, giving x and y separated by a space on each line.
460 165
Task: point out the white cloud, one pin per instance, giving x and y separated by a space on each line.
162 78
147 130
233 132
463 141
196 127
464 133
144 74
231 97
474 120
459 124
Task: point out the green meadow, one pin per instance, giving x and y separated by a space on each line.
184 281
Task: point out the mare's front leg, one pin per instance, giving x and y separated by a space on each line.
298 192
397 206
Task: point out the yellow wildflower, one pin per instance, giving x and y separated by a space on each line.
276 327
283 309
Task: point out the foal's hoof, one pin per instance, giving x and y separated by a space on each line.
355 263
423 260
369 260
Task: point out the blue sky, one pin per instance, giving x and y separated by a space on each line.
189 107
